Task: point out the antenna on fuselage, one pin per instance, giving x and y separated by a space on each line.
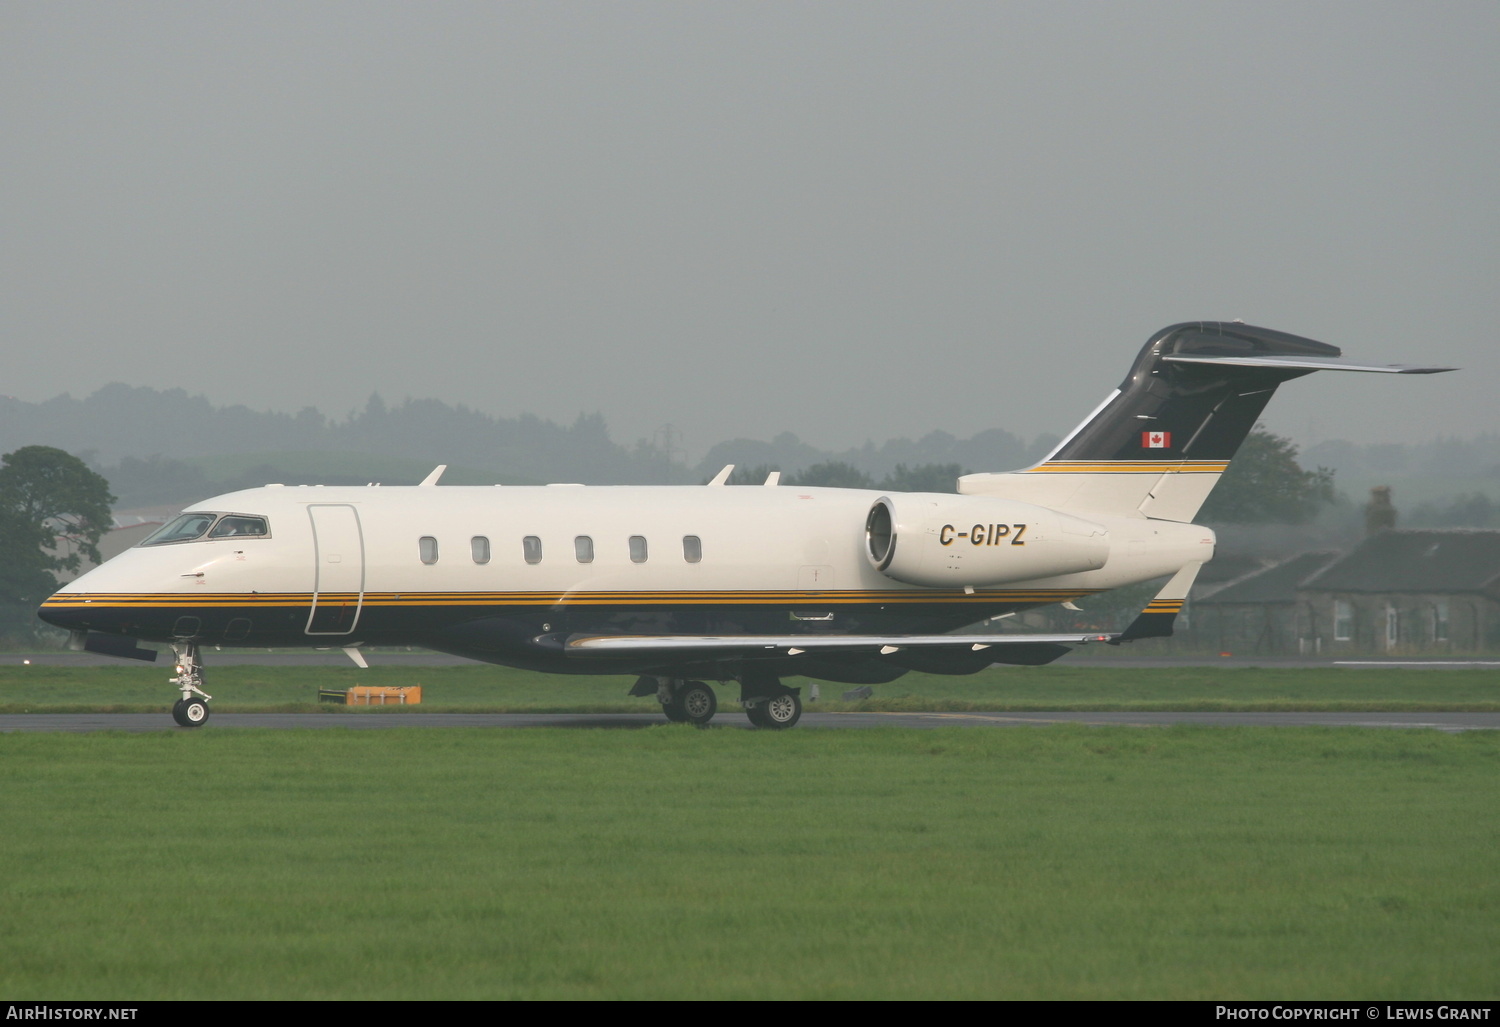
437 472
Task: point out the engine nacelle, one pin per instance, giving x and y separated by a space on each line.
944 540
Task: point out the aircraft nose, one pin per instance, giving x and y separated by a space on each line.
73 612
62 611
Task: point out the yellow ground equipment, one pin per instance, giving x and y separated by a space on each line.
408 695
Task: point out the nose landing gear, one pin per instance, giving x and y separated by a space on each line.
192 709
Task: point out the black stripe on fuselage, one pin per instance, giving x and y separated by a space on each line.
508 620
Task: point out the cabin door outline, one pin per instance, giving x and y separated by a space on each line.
339 569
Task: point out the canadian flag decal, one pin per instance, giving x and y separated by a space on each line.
1156 440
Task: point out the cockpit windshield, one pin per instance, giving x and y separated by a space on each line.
192 526
237 525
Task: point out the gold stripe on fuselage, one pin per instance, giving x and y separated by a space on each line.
1129 467
410 599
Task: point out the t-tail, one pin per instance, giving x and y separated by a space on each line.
1158 444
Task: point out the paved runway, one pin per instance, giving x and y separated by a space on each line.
85 722
426 658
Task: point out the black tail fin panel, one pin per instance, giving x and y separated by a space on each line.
1191 411
1156 447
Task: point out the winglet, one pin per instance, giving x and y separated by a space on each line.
437 472
1156 620
723 475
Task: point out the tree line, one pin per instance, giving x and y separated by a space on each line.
53 512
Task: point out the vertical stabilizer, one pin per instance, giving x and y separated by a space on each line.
1157 446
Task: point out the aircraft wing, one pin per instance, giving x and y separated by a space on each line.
1155 621
914 652
795 645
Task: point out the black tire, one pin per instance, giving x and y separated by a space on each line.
757 714
190 712
780 712
697 703
674 711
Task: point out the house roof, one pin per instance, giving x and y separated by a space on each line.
1454 560
1275 584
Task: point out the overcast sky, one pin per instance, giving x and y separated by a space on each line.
845 220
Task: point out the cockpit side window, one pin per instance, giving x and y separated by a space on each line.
184 529
235 525
191 526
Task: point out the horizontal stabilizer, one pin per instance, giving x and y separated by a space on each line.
1300 364
1159 443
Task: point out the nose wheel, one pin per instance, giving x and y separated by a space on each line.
190 712
192 709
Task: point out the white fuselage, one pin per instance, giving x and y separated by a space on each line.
443 566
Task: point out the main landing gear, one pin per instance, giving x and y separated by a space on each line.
767 702
781 711
192 709
686 702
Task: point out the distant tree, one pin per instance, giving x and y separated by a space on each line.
1265 484
833 474
53 511
24 580
924 478
750 475
158 481
1472 510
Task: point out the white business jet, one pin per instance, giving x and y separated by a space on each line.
686 585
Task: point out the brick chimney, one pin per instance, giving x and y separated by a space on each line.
1380 515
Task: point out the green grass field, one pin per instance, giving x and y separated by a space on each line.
1061 862
476 687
